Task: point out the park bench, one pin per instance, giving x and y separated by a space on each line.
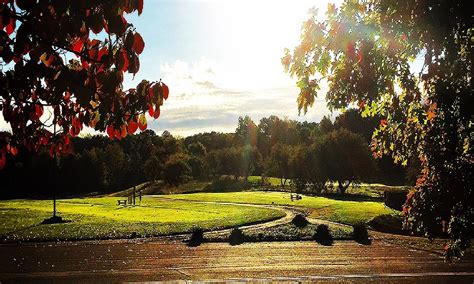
123 202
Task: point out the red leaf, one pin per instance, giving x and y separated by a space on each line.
166 91
140 7
102 52
110 131
125 61
11 26
118 134
3 162
157 112
150 110
43 140
85 63
77 46
123 130
138 43
132 126
66 140
72 131
14 151
39 111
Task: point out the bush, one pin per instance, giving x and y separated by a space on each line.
299 221
236 237
322 235
197 237
360 234
387 223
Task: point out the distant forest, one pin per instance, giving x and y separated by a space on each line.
309 153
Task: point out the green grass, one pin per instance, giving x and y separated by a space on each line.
341 211
273 180
373 189
101 218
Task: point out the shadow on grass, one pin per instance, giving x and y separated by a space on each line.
52 220
349 197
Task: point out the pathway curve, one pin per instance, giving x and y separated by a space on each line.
411 242
289 211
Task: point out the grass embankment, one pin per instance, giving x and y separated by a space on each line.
101 218
341 211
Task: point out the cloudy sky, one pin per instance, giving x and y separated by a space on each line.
221 60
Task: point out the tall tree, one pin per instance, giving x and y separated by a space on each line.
363 50
278 163
246 132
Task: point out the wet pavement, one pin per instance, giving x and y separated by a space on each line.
167 259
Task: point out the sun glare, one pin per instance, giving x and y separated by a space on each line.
254 33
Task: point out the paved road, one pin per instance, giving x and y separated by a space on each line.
165 259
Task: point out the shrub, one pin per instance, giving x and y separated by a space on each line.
360 234
299 221
197 237
387 223
236 237
322 235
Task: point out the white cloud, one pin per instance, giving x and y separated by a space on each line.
200 100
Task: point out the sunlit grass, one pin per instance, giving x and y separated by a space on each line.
342 211
272 180
98 218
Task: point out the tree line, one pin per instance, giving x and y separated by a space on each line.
307 153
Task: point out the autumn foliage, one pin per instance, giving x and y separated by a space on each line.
364 52
63 69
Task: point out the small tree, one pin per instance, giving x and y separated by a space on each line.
278 163
250 160
346 157
153 167
176 169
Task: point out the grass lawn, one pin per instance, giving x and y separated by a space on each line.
101 218
272 180
341 211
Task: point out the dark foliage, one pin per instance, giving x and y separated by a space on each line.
236 237
197 237
299 221
323 235
361 234
395 199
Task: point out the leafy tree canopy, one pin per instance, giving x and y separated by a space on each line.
63 64
363 50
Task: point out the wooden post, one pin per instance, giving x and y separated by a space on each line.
134 195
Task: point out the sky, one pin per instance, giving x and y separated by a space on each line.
221 60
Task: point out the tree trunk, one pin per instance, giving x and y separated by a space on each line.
343 186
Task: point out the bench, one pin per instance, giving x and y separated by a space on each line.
123 202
